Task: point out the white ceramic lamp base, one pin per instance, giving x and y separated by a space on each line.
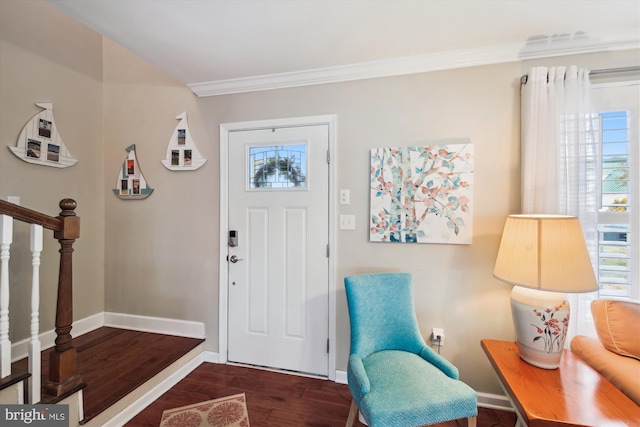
541 320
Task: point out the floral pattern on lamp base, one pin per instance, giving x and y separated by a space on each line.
541 321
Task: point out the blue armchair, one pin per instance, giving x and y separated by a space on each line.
396 380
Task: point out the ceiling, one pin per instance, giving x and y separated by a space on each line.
227 46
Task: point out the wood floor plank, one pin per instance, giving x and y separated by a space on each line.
113 362
277 399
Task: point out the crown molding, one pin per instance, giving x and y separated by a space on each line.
438 61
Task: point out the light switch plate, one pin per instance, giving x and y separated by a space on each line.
347 222
344 197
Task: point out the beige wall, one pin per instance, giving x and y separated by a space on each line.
161 254
454 287
450 280
45 56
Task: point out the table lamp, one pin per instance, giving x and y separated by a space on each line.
543 256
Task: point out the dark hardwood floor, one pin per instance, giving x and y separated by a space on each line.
277 399
113 362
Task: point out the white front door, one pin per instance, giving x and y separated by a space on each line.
278 274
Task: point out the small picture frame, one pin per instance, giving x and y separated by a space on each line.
33 148
182 136
44 128
175 157
124 187
53 152
131 167
188 155
136 187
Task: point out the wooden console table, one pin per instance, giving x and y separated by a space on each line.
572 395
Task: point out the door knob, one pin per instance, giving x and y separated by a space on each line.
234 259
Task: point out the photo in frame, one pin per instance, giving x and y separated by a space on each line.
53 152
33 148
44 128
124 187
136 186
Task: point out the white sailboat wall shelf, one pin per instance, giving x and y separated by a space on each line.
40 143
182 153
131 184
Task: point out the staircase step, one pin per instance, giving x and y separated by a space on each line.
14 380
16 376
134 402
49 399
117 363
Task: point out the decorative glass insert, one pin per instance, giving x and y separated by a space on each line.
278 167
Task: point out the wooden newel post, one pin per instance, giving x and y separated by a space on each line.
62 363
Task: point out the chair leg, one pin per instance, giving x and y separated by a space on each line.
471 421
352 414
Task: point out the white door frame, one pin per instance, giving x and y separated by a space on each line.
225 128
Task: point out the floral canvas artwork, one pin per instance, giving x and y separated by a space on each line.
422 194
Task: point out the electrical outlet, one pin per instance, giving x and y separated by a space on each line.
437 336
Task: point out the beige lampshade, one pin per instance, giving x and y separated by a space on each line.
546 252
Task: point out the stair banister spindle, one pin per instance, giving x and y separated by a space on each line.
6 238
34 343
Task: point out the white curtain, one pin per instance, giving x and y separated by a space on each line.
560 161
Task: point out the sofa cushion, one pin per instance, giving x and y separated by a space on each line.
618 326
621 371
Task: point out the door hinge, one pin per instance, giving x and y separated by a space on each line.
328 250
328 156
327 345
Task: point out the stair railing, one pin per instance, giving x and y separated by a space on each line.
63 378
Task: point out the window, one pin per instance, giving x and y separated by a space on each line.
618 266
277 167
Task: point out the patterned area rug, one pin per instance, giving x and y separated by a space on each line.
230 411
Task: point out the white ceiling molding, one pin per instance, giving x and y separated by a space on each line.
410 65
365 70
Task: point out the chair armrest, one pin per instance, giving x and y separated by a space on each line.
440 362
356 371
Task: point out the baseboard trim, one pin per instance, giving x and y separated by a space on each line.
212 357
485 400
494 401
341 377
20 349
183 328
